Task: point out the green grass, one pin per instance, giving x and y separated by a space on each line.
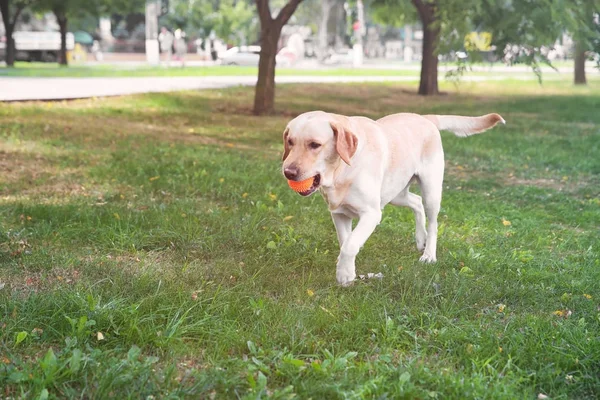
149 246
24 69
52 70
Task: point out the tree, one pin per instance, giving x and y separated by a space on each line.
270 31
585 30
579 57
440 19
61 10
326 6
10 21
429 16
235 21
232 20
531 28
522 31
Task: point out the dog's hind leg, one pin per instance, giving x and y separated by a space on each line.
413 201
431 181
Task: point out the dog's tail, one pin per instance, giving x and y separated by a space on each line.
465 126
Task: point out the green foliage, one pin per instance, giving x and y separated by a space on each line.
522 31
394 13
236 22
233 21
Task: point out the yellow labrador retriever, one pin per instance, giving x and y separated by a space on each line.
360 165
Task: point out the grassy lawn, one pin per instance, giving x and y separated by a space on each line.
52 70
24 69
149 246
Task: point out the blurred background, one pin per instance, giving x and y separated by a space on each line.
227 32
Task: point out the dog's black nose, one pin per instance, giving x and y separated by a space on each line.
291 173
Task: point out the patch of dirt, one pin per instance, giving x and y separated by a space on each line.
543 183
559 184
18 166
33 282
248 111
28 174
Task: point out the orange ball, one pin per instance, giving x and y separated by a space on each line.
301 186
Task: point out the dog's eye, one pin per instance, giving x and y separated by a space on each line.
290 143
314 145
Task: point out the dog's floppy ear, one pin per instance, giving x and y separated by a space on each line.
286 146
345 141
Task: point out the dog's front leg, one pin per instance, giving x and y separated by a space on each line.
346 270
343 227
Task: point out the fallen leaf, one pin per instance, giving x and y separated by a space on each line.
273 196
154 178
587 296
245 195
506 222
501 308
100 336
542 396
195 296
563 313
370 275
310 293
288 217
222 180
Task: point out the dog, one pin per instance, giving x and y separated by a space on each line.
360 165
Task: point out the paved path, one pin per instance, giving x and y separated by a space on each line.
22 88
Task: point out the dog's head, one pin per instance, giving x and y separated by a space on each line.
314 143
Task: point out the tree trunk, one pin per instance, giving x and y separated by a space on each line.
264 96
10 46
270 31
580 64
431 35
62 24
9 27
429 63
326 6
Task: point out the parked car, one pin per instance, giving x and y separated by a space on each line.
249 55
37 46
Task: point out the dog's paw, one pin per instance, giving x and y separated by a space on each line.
344 278
421 241
427 258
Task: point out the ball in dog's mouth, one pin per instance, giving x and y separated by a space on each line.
307 186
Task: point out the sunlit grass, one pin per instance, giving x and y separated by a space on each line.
150 246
